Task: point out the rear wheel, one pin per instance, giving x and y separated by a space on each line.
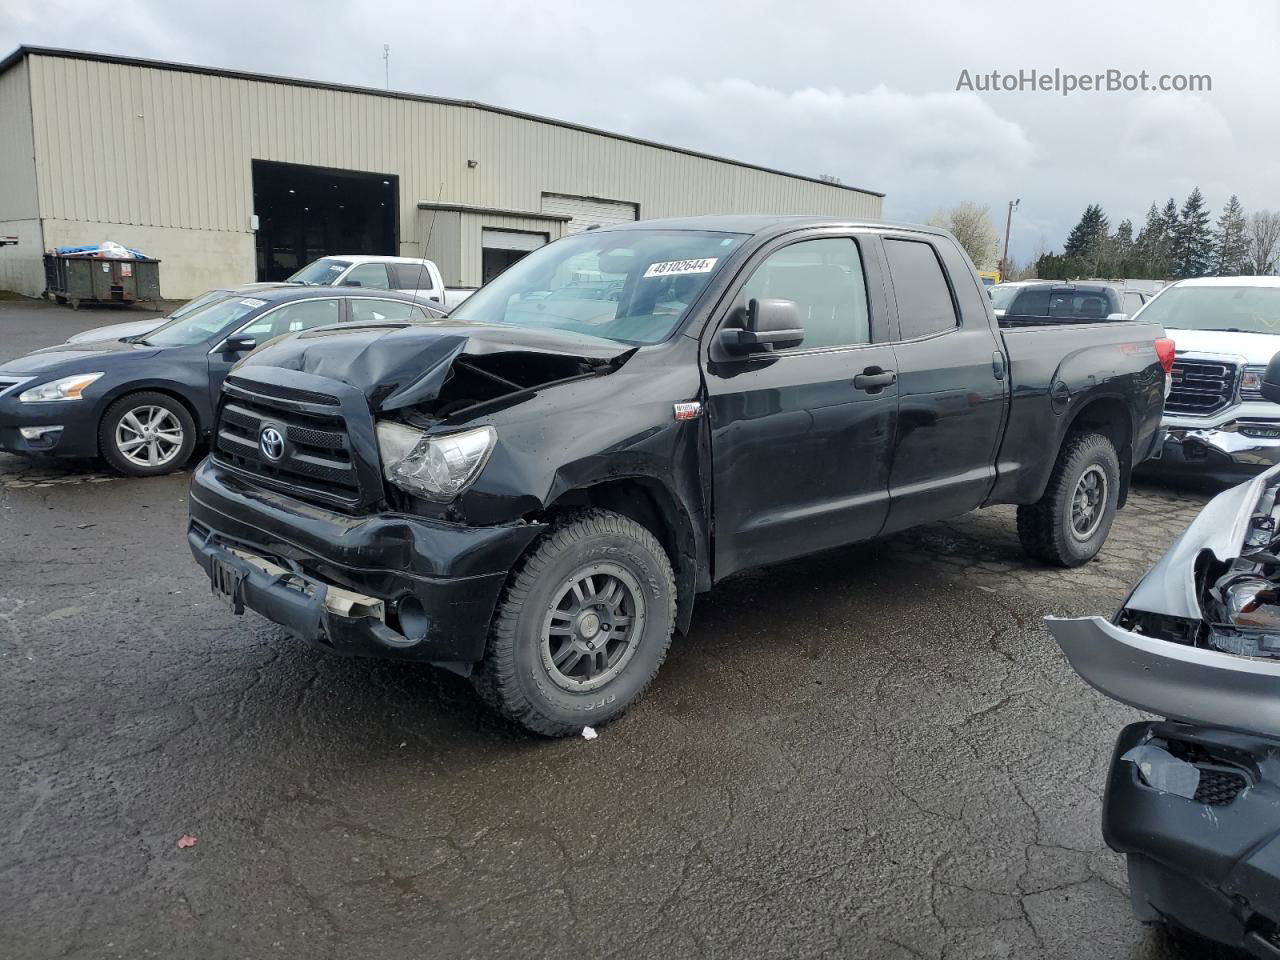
582 627
147 434
1070 523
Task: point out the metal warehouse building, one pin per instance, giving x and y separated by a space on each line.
229 177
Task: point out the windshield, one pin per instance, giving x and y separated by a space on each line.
203 324
1002 295
199 303
632 286
321 273
1245 309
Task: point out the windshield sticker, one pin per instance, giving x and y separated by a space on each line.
676 268
250 302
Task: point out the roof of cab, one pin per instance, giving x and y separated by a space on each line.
768 223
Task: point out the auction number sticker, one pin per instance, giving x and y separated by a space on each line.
676 268
250 302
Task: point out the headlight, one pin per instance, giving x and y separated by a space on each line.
1251 383
438 468
68 388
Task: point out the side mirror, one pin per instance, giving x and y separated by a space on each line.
766 325
239 344
1271 381
351 283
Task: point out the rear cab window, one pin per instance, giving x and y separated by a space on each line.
411 276
925 305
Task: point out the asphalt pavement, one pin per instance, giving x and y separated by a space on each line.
877 752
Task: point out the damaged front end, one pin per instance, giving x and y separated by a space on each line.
1194 801
1198 639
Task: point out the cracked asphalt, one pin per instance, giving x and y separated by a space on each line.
877 752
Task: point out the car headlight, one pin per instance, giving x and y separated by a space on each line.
68 388
1251 382
439 467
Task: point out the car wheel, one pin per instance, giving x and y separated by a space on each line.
582 627
147 434
1070 523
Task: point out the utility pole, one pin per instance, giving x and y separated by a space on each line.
386 63
1004 261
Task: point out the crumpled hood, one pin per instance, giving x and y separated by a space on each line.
397 365
1169 587
74 357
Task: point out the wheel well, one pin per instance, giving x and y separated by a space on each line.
1109 417
652 506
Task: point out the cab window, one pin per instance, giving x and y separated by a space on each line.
824 278
368 275
924 299
369 310
292 318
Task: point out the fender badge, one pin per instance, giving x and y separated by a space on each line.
690 410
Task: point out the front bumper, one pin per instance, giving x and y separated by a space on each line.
78 419
1210 864
438 582
1241 440
1174 680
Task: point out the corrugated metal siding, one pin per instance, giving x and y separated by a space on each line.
119 143
586 213
473 225
17 150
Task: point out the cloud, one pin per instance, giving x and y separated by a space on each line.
862 91
924 150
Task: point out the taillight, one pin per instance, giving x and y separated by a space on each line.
1165 351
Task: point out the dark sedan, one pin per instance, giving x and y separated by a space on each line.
143 402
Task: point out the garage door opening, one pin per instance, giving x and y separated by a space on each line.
499 249
305 213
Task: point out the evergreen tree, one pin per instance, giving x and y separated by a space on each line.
1231 241
1172 224
1149 249
1120 259
1087 242
1193 240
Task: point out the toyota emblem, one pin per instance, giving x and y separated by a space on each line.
271 443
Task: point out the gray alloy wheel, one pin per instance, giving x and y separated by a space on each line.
146 434
590 630
149 436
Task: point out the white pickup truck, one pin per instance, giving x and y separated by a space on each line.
1216 422
405 274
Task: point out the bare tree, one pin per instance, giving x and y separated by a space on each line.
971 225
1264 241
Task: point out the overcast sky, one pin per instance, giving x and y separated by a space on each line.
862 90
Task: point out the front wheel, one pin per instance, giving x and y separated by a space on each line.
1069 524
147 434
582 627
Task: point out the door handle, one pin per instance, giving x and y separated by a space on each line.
997 365
874 379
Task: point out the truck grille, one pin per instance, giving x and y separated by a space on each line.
316 460
1201 387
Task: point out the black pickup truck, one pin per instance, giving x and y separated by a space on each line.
533 491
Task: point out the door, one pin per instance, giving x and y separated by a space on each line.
800 437
289 318
585 212
951 384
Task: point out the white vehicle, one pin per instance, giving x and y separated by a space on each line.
1226 329
404 274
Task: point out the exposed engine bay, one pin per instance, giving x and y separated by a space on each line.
1238 597
430 372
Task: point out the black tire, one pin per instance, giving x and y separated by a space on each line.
515 677
1046 527
168 458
